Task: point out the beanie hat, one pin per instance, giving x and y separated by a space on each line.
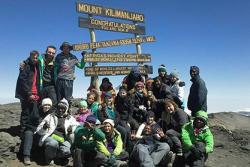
47 101
162 68
150 114
195 68
202 115
174 74
63 103
83 103
110 121
66 44
139 84
135 70
91 119
108 95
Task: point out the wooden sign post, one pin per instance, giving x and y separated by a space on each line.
97 24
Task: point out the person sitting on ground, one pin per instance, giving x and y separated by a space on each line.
84 146
172 120
82 112
106 87
130 80
151 122
124 107
92 101
139 101
148 151
30 136
112 147
197 140
57 130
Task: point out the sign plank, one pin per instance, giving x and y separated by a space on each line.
115 70
116 57
111 26
111 43
108 12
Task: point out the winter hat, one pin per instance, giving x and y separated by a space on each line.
162 68
195 68
107 95
202 115
91 119
47 101
110 121
83 103
139 84
174 74
64 104
66 44
135 70
150 114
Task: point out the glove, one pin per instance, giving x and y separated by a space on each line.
46 125
182 83
196 152
112 160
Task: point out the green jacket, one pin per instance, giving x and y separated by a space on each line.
102 145
86 139
189 138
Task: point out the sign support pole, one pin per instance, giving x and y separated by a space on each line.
94 79
138 45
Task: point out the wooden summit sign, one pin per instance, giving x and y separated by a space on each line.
108 12
116 57
115 70
111 26
110 43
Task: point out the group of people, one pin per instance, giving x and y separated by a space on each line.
144 123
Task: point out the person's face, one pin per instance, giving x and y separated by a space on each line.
91 99
34 58
157 83
122 93
107 128
105 84
149 86
150 120
109 100
169 108
173 79
83 110
199 123
162 74
193 73
139 89
46 107
61 111
50 52
147 130
65 49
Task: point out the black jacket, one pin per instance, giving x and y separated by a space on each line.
197 99
25 80
124 107
175 122
162 93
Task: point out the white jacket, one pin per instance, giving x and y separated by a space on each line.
52 120
177 90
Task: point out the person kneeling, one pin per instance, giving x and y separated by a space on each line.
57 132
197 140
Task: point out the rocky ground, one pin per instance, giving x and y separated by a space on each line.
231 134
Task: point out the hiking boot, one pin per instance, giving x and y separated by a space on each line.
171 157
26 160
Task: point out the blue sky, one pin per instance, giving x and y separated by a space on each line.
212 34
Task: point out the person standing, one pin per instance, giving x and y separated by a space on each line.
65 64
27 90
197 99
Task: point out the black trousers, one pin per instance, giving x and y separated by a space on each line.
64 89
50 92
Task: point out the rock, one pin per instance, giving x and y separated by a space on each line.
8 145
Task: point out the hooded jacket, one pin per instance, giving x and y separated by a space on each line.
197 99
117 140
189 138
